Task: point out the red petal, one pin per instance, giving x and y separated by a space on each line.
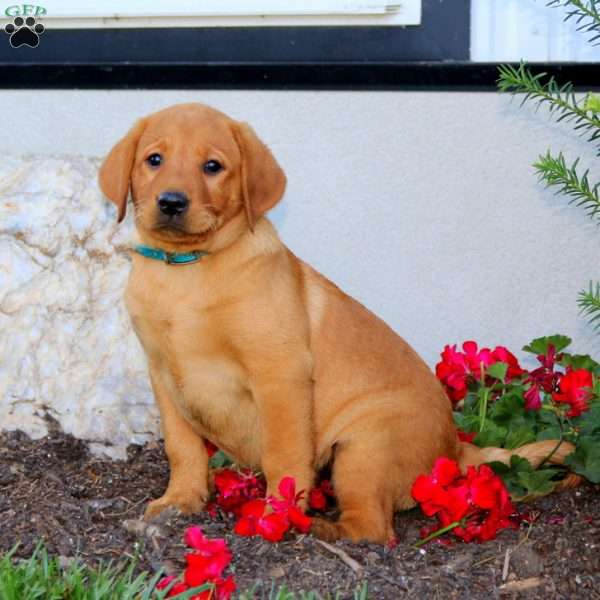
228 481
316 499
299 520
470 347
422 488
287 488
273 527
193 537
225 587
177 589
532 397
203 568
463 436
445 470
245 526
254 508
195 573
205 595
165 581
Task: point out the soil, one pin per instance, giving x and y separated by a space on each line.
53 489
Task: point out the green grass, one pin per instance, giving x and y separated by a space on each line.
41 577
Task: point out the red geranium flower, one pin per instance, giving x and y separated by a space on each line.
289 504
575 389
475 358
272 517
477 503
437 493
209 559
533 400
452 372
270 526
543 378
457 369
502 354
205 564
234 488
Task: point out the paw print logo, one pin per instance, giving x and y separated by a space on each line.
24 32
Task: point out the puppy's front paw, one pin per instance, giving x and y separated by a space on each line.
325 530
175 503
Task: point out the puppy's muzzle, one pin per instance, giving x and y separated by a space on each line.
173 204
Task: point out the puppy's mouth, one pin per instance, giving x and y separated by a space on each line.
186 227
173 226
180 229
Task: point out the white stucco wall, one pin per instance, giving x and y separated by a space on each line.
423 206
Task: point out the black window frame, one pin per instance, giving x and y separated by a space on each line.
434 55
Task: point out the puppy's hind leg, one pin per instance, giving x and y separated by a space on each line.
363 488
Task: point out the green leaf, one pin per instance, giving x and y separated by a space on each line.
538 483
471 403
579 361
522 480
498 370
506 408
510 474
586 458
467 423
540 345
549 433
519 437
509 411
499 468
219 460
491 435
589 422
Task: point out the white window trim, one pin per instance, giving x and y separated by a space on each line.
515 30
221 13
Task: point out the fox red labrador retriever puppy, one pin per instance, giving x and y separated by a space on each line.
249 347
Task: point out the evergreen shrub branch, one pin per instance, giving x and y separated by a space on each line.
553 170
561 100
585 14
589 304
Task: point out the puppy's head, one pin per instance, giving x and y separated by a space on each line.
191 169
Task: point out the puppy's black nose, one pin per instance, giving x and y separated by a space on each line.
172 203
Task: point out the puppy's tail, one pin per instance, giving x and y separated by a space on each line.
547 451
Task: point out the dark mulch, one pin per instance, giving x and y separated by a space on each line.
53 489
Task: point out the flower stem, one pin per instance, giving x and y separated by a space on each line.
484 399
560 441
436 534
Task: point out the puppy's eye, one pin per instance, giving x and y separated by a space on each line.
211 167
154 160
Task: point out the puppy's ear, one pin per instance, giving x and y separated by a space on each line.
115 172
263 180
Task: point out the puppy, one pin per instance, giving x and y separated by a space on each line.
251 348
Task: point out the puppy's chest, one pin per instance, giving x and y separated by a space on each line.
187 349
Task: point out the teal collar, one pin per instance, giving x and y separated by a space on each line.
170 258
